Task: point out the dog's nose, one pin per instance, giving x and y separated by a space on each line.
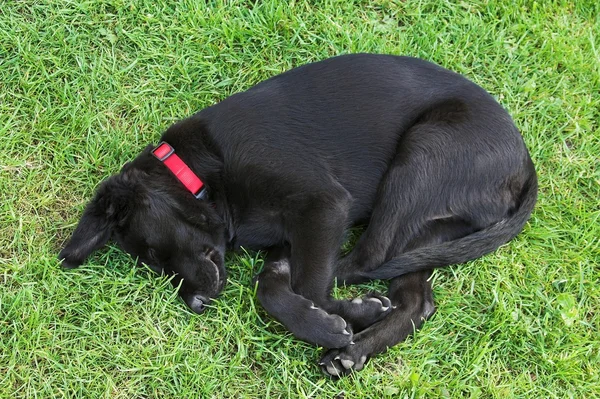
198 303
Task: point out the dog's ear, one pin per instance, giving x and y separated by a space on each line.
109 208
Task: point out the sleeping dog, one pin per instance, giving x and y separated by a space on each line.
427 160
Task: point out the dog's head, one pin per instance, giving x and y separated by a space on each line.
161 225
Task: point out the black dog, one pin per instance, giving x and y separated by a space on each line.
428 159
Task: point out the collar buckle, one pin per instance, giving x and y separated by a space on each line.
201 194
163 151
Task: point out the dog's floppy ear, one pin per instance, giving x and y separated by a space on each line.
109 208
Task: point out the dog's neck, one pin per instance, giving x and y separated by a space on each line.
192 142
165 153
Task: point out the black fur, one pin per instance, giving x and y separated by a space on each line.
429 160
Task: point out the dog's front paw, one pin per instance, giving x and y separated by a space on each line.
337 363
316 326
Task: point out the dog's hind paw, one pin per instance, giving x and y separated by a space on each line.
384 302
337 363
365 311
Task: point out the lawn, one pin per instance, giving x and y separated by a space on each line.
86 84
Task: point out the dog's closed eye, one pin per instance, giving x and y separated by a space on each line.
152 262
152 255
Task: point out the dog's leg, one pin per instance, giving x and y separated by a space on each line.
412 298
315 242
397 213
316 233
433 177
306 321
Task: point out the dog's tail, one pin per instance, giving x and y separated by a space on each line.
462 249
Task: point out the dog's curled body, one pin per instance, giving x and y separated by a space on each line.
427 159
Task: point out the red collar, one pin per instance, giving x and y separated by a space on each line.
166 154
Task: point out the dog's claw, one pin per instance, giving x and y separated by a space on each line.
384 307
346 332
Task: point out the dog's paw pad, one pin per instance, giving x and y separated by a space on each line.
340 362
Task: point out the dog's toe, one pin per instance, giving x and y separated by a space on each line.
383 301
333 371
363 312
331 364
328 330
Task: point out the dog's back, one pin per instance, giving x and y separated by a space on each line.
346 116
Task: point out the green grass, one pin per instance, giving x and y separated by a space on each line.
84 85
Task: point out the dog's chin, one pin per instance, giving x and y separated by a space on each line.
67 263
